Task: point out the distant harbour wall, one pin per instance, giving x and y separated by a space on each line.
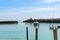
8 22
43 20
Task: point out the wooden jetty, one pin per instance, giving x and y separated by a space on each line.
8 22
55 20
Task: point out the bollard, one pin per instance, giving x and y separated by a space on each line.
26 33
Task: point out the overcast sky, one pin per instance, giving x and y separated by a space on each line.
25 9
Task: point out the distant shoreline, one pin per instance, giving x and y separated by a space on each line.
56 20
8 22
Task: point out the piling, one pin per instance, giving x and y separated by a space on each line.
36 25
36 29
26 33
55 34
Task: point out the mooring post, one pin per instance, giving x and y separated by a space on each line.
54 32
36 25
26 33
36 29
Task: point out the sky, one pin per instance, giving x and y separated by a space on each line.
25 9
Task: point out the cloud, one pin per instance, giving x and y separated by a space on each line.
51 1
35 9
14 11
25 13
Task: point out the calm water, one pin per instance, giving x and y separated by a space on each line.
18 31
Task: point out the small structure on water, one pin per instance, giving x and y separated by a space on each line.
36 24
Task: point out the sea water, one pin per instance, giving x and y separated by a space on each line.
18 31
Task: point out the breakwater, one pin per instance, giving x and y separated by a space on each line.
56 20
8 22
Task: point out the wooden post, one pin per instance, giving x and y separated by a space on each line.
26 33
36 25
36 29
55 34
